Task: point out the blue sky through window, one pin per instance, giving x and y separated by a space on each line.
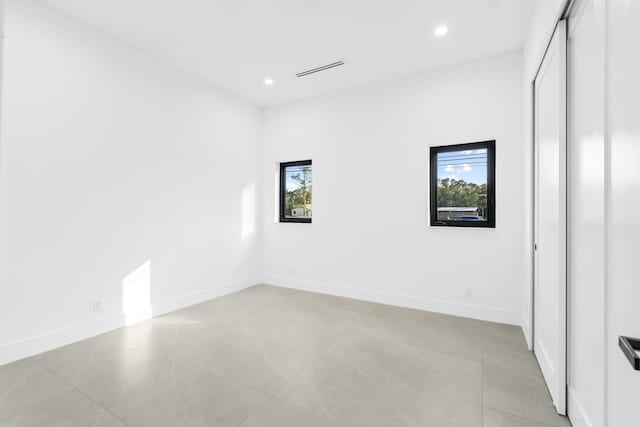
468 165
293 184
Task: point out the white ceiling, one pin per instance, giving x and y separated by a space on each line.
235 44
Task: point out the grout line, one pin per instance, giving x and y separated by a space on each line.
28 408
273 395
82 393
18 384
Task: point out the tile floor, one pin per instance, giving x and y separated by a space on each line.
275 357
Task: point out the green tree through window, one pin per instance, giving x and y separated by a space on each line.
296 191
459 193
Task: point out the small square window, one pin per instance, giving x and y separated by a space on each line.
462 184
296 191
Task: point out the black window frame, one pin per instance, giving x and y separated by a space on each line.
283 186
490 146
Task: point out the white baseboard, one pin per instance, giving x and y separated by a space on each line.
577 413
174 304
490 314
80 331
60 337
526 330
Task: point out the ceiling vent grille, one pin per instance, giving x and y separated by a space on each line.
321 68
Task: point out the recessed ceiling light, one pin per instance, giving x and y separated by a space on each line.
441 30
268 81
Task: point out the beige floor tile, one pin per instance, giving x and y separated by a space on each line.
269 356
506 335
25 384
426 407
143 378
96 357
519 394
211 401
71 409
277 413
522 361
440 372
493 418
344 395
170 334
253 362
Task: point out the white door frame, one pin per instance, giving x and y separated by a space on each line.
561 404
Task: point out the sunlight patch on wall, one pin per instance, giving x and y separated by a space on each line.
276 194
136 294
248 210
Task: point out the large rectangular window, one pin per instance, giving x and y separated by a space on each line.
296 191
463 185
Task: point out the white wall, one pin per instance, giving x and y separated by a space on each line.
370 237
111 160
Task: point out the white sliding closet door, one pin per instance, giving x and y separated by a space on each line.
550 219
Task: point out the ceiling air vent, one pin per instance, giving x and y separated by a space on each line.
321 68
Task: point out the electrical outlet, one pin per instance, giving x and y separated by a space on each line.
97 305
468 293
290 271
